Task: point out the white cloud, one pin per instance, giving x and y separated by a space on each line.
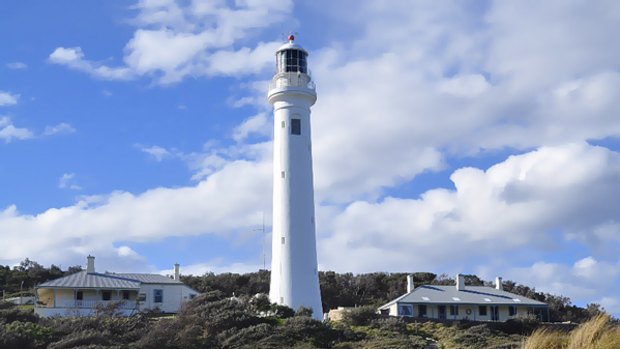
7 98
587 280
214 266
62 128
66 182
126 251
17 65
73 57
175 40
157 152
8 132
258 124
515 204
465 86
219 204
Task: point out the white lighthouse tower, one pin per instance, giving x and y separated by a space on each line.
294 274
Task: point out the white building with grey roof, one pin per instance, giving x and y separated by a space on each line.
461 302
83 293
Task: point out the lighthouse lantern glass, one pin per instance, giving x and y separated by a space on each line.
291 60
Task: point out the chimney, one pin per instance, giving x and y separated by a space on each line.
410 285
177 275
90 264
460 282
498 283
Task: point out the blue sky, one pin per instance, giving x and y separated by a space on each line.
446 137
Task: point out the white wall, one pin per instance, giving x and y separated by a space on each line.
174 295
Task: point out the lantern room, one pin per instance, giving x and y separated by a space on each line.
291 58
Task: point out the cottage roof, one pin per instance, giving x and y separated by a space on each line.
84 279
431 294
147 278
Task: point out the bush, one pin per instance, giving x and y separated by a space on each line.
24 335
305 329
245 337
391 324
15 314
361 316
524 324
400 342
282 311
260 303
303 311
82 338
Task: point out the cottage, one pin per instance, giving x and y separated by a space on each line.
462 302
82 293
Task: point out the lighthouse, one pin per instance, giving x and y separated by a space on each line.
294 274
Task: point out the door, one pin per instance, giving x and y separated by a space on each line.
441 310
494 313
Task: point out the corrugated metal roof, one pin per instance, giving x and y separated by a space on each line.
147 278
430 294
92 280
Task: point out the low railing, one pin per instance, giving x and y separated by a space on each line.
88 304
292 79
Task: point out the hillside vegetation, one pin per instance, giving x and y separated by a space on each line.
214 321
229 315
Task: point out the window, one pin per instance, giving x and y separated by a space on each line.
106 295
422 310
482 310
142 297
283 239
158 296
405 310
79 295
192 296
125 295
512 310
295 126
291 61
454 310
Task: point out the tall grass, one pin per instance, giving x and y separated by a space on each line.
598 333
546 339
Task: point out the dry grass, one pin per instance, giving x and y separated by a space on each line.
610 339
546 339
598 333
588 334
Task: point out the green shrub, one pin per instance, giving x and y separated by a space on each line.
361 316
400 342
81 339
15 314
24 335
303 311
391 324
245 337
282 311
305 329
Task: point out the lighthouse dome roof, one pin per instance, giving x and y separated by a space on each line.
291 46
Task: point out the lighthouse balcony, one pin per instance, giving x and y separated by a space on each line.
291 79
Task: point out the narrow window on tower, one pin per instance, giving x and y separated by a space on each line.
283 240
283 124
295 126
